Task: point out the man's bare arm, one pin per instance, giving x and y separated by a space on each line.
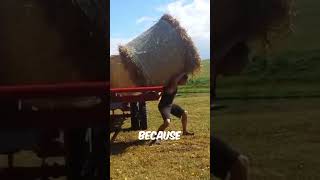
173 82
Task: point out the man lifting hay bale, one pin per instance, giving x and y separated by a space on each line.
166 106
236 25
162 55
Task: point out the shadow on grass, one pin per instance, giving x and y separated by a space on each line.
120 147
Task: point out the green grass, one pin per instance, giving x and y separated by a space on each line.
187 158
289 75
272 107
199 83
281 137
30 159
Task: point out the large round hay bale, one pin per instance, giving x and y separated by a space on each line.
120 75
41 44
161 52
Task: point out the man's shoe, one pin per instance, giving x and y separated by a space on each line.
156 141
187 133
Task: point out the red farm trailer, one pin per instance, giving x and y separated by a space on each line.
132 103
83 131
41 36
85 143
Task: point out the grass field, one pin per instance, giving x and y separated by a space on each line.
280 136
272 108
292 75
199 83
29 159
187 158
272 115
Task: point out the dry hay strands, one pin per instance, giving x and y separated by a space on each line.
269 20
136 73
193 60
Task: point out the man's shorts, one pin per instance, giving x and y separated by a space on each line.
171 109
222 158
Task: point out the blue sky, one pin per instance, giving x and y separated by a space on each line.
129 18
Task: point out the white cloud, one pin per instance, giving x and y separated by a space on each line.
145 19
194 16
115 42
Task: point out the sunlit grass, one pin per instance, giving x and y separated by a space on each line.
187 158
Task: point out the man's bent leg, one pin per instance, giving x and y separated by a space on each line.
183 115
165 124
184 121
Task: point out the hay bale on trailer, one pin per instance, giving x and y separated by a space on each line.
160 52
41 43
121 75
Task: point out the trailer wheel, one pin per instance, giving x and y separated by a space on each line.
143 116
134 116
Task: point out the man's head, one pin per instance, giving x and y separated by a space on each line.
183 80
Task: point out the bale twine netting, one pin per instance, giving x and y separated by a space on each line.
159 53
